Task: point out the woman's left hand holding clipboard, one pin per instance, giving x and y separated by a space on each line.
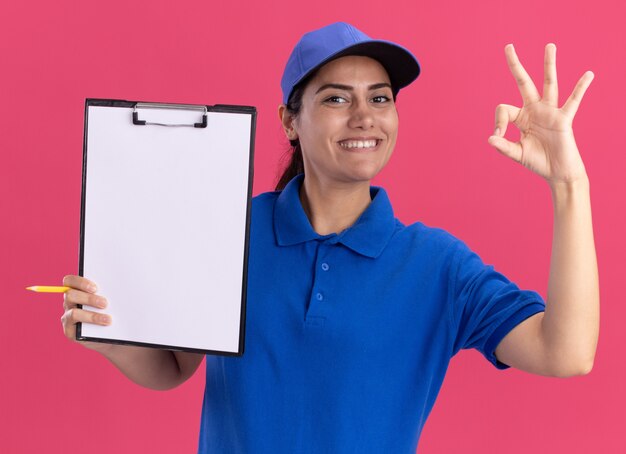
83 292
149 367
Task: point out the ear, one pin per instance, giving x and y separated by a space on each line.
287 120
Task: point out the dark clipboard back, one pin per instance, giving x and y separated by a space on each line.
123 141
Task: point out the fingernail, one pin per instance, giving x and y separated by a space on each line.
104 319
497 132
92 288
102 302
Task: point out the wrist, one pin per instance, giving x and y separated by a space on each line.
571 195
103 348
570 187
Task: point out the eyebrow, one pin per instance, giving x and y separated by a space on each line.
350 88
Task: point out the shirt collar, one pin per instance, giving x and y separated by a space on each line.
368 236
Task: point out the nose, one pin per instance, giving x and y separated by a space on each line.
361 116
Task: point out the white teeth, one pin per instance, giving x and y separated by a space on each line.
358 143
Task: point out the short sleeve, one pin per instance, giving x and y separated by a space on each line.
485 306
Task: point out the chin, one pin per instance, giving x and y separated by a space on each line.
363 174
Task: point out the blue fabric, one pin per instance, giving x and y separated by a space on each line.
320 46
349 336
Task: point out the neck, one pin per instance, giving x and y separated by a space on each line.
333 208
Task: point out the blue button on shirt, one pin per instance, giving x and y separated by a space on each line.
348 336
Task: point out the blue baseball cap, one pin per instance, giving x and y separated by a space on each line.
320 46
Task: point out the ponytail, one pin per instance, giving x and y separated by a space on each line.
295 165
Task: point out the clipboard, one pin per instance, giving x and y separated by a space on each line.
165 219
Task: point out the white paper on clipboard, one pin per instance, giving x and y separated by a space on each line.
164 224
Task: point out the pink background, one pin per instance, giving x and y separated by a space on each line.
56 396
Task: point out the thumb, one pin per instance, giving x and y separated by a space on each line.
506 147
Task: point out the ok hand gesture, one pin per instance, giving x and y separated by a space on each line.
546 145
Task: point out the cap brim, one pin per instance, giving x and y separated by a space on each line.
400 64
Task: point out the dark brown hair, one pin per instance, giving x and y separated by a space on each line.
296 163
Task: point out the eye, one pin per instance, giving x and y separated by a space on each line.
335 100
381 99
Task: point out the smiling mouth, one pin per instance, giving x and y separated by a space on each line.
359 144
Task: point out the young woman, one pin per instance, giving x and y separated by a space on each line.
353 317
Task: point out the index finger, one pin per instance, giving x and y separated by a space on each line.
524 82
80 283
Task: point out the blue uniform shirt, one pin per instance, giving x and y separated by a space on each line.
348 336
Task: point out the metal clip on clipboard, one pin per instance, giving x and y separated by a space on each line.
150 105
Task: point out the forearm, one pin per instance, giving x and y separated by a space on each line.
571 322
150 367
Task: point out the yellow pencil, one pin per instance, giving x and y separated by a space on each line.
48 289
